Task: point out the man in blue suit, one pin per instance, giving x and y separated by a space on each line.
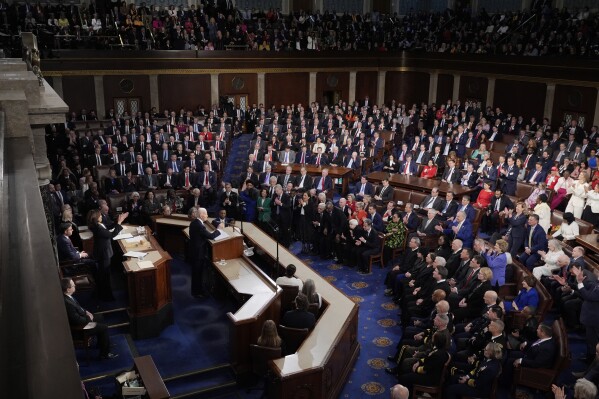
66 249
364 187
510 177
324 183
535 240
589 313
536 175
408 167
460 229
467 209
410 219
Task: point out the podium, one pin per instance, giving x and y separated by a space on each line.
150 306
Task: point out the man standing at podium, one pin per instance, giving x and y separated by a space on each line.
198 249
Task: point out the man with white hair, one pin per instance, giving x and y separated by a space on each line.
460 228
399 392
198 249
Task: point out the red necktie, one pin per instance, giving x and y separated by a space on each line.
318 160
321 185
405 168
187 179
156 166
205 178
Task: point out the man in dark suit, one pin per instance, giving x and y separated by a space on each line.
364 187
499 203
536 175
149 181
510 177
427 226
300 317
66 249
281 213
228 200
138 168
199 249
451 174
187 179
370 244
538 354
222 221
466 207
449 207
288 177
385 193
432 201
470 177
535 240
304 180
248 175
81 318
112 184
408 167
323 183
589 313
410 219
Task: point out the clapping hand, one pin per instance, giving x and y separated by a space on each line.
558 392
577 271
122 217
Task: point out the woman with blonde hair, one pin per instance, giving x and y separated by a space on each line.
309 290
550 258
269 336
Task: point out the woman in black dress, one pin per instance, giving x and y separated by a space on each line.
304 213
103 250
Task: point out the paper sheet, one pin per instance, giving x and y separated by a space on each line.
145 264
122 236
134 254
133 240
223 234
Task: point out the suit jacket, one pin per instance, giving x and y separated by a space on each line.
470 212
437 203
455 175
413 221
147 181
589 314
103 242
66 249
368 189
307 181
448 210
464 233
281 156
510 181
281 179
327 184
412 169
539 239
201 179
298 319
541 355
111 184
198 240
373 240
423 160
430 229
386 194
538 178
76 314
504 202
472 180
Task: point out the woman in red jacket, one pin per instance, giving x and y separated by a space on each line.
429 171
484 197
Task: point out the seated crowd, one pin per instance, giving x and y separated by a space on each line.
541 30
453 260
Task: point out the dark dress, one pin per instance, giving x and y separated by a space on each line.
304 228
103 255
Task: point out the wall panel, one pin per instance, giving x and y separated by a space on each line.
332 81
287 88
184 91
79 92
575 100
239 83
114 88
444 88
520 98
406 87
473 88
367 85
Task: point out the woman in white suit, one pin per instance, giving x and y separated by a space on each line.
579 194
591 210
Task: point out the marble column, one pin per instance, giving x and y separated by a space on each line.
456 88
490 91
99 89
433 82
214 93
319 5
154 93
549 97
380 94
261 88
367 6
312 88
351 97
285 6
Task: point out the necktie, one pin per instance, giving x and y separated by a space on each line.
140 169
351 162
205 178
98 159
122 170
419 160
187 179
497 204
303 160
321 184
156 166
318 160
286 157
449 175
530 237
430 202
168 180
175 168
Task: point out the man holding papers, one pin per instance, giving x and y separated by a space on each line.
198 249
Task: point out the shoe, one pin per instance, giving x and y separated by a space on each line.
110 355
579 374
391 370
390 293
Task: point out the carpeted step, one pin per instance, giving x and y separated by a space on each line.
209 382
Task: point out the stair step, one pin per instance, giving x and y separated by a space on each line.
196 383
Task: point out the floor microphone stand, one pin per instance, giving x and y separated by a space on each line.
276 230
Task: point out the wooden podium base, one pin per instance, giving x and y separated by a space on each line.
142 327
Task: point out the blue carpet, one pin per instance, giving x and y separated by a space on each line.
378 329
237 156
101 367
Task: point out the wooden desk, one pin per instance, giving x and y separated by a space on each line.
589 241
414 183
155 388
150 298
322 363
335 172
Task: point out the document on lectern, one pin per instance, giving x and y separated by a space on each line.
223 234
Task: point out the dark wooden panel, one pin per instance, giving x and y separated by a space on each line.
367 85
141 89
287 88
444 88
332 81
299 5
382 6
406 87
520 98
79 92
246 83
473 88
574 99
183 91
